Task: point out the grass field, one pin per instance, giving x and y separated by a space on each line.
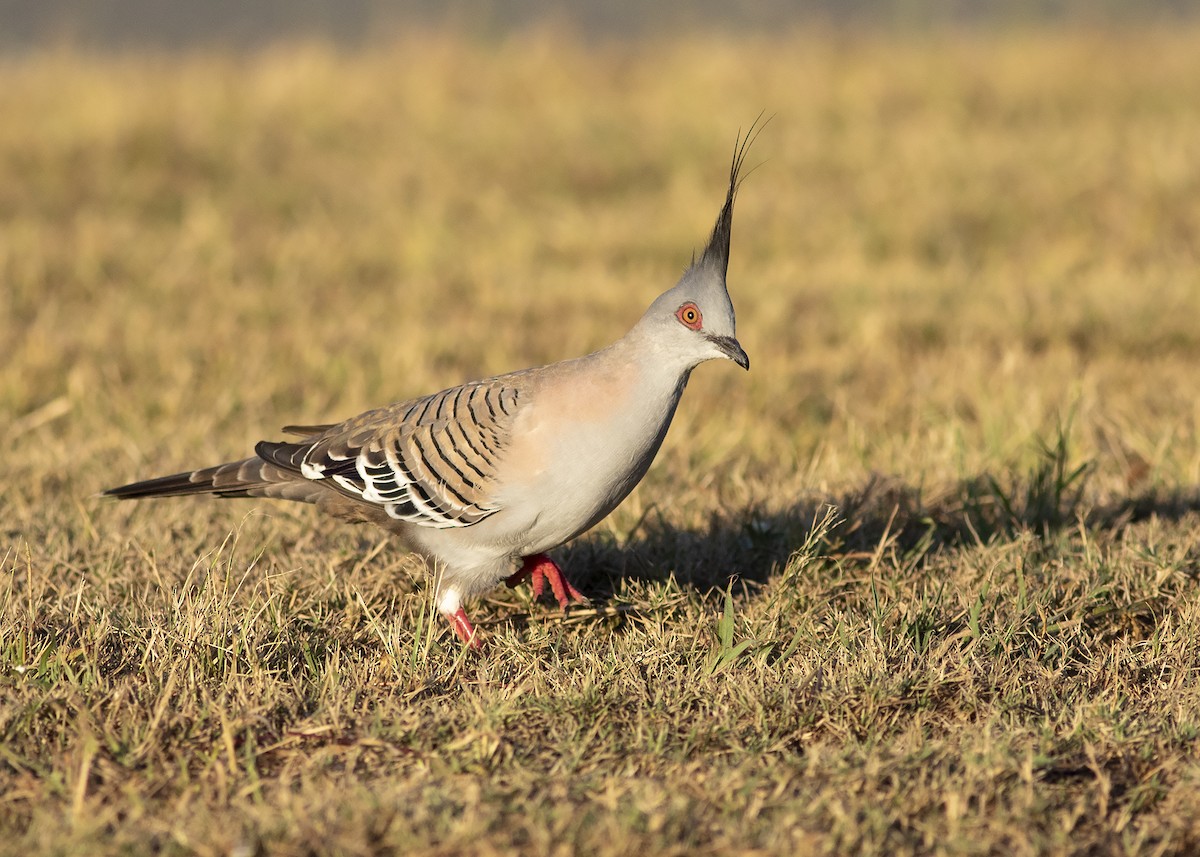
967 272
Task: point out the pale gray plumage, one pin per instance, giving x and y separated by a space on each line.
480 476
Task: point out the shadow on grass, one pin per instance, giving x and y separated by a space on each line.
755 545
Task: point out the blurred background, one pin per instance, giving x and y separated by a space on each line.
177 23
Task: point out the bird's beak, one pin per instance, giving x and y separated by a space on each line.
732 349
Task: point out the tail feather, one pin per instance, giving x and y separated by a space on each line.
251 477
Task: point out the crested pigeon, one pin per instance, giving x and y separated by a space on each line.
484 478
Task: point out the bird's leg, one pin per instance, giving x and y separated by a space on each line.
464 629
538 569
449 604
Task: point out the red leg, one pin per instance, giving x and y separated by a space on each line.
463 628
538 569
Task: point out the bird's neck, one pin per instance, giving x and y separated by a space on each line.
644 342
654 378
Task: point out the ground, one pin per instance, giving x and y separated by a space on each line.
925 581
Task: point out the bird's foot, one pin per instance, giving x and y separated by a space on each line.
540 569
464 629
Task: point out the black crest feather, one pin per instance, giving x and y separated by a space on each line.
716 252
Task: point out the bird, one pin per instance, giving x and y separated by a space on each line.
484 479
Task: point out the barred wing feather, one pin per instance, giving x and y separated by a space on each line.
429 461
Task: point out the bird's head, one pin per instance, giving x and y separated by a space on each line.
694 320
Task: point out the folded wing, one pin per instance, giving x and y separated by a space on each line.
430 461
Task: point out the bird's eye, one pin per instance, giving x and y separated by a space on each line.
689 316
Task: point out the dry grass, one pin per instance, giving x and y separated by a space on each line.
967 275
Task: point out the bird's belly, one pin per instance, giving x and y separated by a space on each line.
579 498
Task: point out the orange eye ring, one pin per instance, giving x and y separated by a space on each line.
689 316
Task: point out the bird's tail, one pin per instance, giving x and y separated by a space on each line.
251 477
